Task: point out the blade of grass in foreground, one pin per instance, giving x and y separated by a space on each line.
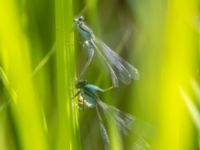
177 68
193 110
16 62
67 137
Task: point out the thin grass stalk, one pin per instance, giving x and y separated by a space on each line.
192 109
196 89
67 137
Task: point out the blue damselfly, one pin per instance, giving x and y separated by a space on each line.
118 67
87 94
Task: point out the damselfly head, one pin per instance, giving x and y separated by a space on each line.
81 84
79 19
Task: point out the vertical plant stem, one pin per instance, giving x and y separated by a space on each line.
67 138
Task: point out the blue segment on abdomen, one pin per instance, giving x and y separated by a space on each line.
94 88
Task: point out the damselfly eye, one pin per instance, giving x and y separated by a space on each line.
81 18
81 84
85 82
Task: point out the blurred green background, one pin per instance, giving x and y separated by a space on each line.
41 57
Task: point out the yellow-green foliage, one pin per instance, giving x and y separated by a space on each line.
39 68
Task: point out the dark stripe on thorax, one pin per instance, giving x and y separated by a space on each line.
80 26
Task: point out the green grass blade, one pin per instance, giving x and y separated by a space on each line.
15 58
43 61
67 138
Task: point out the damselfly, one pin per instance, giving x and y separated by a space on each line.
118 67
89 98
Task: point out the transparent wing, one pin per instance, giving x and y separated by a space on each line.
112 72
125 71
124 121
103 130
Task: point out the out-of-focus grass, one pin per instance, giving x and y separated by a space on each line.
15 58
27 110
192 106
177 67
166 51
146 52
157 37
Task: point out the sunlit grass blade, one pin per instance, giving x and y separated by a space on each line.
177 68
15 58
196 89
44 61
67 135
192 108
6 83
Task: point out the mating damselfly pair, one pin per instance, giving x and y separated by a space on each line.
119 69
